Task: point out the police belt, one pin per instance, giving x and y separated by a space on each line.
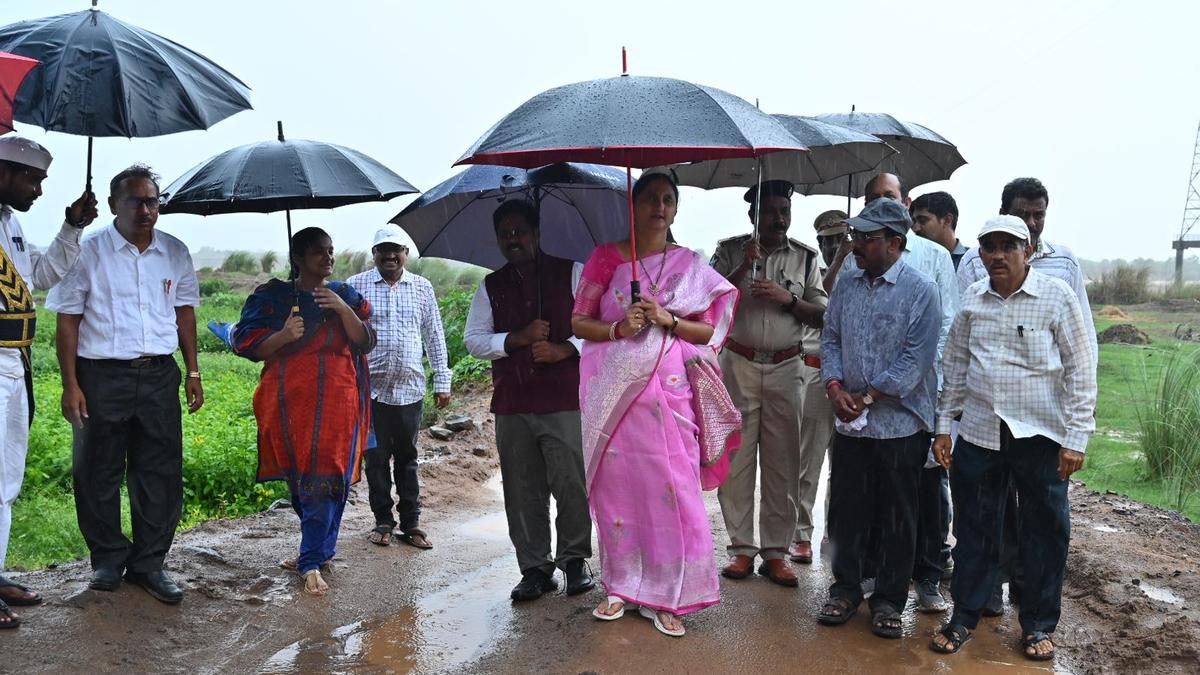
17 328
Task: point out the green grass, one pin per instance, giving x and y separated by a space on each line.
1128 380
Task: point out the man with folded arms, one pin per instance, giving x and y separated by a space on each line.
1021 370
877 353
767 372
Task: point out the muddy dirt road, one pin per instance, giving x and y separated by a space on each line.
1132 604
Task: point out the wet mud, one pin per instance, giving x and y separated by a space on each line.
1131 603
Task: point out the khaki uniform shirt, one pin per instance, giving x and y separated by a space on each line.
764 325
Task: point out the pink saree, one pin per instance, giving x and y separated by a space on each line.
640 432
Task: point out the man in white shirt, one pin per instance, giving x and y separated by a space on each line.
124 308
1027 199
404 312
520 320
1021 372
23 166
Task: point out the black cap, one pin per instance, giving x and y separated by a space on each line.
771 188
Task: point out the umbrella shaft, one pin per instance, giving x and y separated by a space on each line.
88 184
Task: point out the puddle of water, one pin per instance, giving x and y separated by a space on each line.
1100 527
445 630
1160 594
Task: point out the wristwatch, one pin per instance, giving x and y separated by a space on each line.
788 307
867 398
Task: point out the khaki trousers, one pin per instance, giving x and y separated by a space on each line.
816 429
770 397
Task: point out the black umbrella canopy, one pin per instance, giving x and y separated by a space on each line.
100 76
282 175
629 121
923 155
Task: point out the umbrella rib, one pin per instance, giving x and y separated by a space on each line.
127 122
191 104
61 65
350 160
478 197
587 226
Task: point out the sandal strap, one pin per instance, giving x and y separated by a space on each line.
1035 637
839 603
956 633
5 582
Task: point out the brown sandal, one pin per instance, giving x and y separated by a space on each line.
10 619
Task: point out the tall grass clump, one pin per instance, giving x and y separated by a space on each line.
240 261
1169 428
1121 285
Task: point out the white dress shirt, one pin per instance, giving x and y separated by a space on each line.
39 270
405 316
1025 360
127 298
1049 259
480 336
934 260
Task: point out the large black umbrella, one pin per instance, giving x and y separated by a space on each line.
100 76
923 155
631 122
282 175
581 205
833 151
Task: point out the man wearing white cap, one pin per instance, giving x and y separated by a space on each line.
23 165
405 315
1020 369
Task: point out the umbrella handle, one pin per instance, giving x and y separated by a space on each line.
635 287
87 186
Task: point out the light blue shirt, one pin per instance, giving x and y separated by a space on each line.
935 261
884 333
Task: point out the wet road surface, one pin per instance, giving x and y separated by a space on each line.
470 625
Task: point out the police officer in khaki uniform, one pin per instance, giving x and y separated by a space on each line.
816 427
764 364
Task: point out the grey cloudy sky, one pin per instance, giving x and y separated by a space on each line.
1096 98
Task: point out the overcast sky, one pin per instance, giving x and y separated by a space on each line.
1096 98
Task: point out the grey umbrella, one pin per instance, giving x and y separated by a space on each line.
100 76
282 175
581 205
833 151
923 155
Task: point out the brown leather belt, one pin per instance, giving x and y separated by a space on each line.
772 357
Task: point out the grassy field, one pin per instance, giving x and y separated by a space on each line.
219 441
1128 378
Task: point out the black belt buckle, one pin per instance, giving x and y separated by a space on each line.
143 361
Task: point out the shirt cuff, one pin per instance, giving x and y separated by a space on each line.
944 425
1077 441
69 234
496 345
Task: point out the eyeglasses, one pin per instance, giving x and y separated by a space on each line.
133 203
862 237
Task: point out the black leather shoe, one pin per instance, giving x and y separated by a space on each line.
157 584
105 579
533 584
579 577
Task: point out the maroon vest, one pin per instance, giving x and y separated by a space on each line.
519 384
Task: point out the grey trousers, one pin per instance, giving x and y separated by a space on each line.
816 430
540 456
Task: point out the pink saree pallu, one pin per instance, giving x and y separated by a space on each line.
641 435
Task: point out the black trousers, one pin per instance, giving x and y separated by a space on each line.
396 428
875 481
980 479
133 432
933 525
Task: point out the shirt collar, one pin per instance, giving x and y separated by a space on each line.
889 276
377 278
959 248
1032 286
118 242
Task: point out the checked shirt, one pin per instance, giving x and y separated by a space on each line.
1027 361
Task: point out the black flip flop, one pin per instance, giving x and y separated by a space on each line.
882 614
848 611
1032 639
385 535
407 537
13 620
957 635
9 583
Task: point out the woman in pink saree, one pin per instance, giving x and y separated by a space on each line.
640 424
